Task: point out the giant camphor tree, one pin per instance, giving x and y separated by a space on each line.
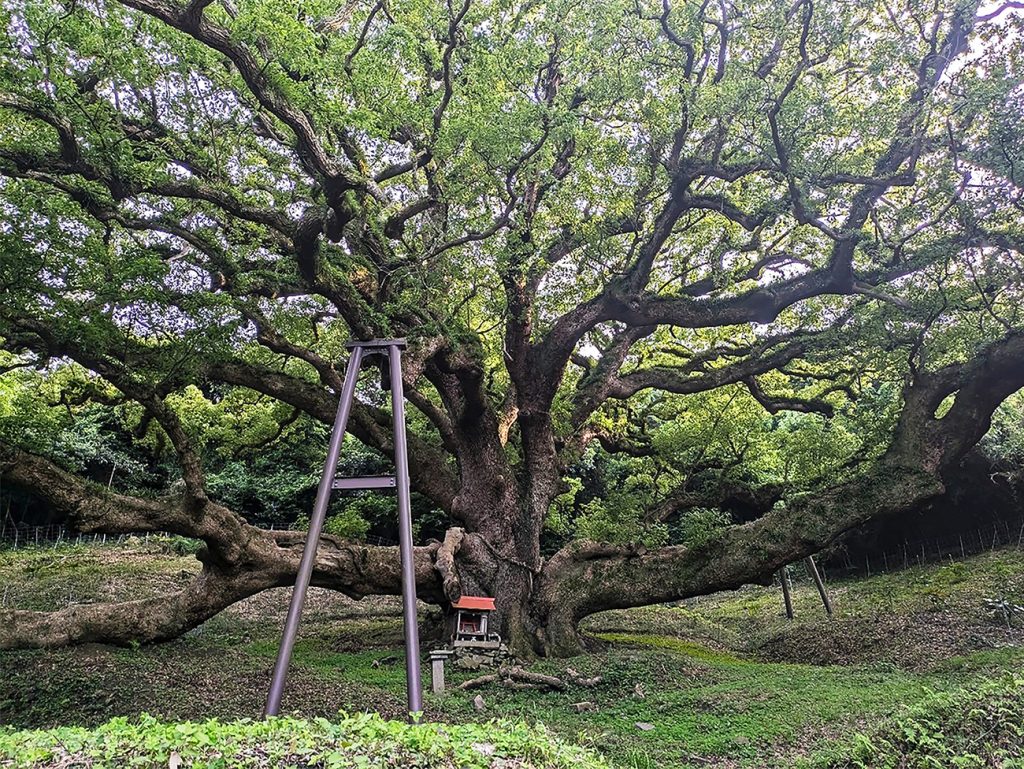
589 218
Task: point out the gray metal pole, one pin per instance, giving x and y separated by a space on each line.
412 633
316 524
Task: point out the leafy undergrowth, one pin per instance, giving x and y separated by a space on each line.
352 742
974 728
723 681
714 708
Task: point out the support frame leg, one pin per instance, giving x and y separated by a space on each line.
412 635
316 525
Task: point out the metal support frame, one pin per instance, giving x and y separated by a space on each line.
391 349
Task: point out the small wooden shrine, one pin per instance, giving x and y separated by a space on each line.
468 623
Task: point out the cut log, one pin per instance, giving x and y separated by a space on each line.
476 683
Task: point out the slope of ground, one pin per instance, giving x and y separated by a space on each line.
910 618
724 681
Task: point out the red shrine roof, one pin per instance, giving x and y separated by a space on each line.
474 602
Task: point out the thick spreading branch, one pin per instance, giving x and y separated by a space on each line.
91 508
625 298
239 561
588 577
192 22
445 563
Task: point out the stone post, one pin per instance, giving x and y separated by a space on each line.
437 660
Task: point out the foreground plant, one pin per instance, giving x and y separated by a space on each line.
971 728
353 741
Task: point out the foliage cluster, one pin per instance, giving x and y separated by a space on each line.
174 228
261 459
974 728
1004 441
359 741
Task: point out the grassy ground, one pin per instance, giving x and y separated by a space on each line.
725 681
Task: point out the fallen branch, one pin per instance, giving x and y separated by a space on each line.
516 678
476 683
579 680
552 682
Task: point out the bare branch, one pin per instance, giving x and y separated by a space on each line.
773 404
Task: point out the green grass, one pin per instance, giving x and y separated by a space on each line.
688 648
913 618
384 669
726 680
707 705
47 577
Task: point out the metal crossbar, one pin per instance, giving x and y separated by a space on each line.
380 482
390 349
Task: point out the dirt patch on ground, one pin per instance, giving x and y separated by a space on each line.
913 642
88 685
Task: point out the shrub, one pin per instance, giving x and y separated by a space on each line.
348 524
612 520
698 525
177 545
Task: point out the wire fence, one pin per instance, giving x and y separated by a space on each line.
928 550
18 535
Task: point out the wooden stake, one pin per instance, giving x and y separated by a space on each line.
812 569
786 597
